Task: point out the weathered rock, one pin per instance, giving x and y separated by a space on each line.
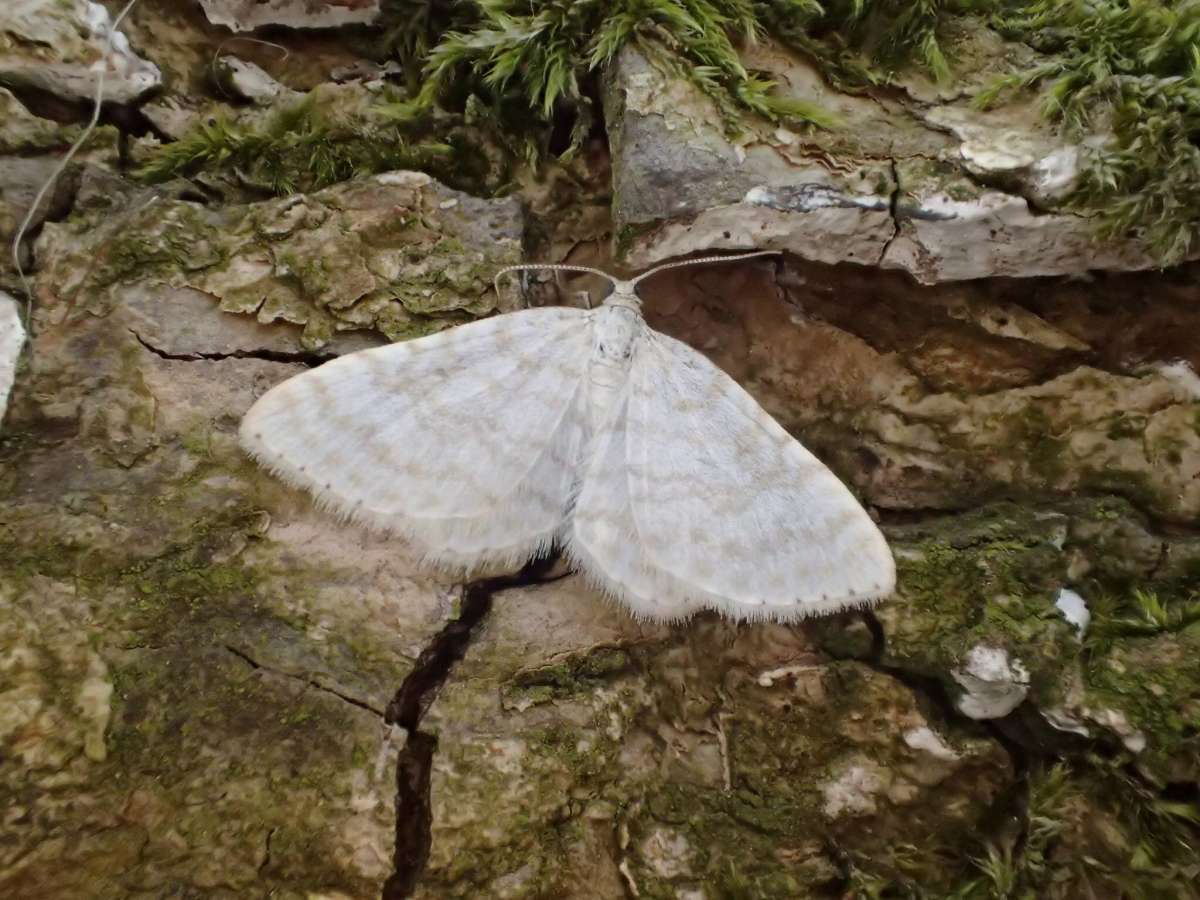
978 607
59 47
397 253
950 228
23 174
249 82
924 183
680 185
942 398
197 661
23 132
722 757
246 15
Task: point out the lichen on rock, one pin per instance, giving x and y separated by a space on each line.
397 253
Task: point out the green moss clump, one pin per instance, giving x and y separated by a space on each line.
1090 828
991 578
566 677
529 60
300 148
1133 69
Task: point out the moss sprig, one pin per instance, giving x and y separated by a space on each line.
536 56
1128 69
296 149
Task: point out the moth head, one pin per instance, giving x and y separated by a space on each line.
624 293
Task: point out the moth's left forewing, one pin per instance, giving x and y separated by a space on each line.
737 510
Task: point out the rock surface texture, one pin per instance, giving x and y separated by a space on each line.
59 46
209 688
911 180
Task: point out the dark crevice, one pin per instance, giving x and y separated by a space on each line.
346 698
1013 808
310 358
126 117
894 211
266 861
1153 523
408 707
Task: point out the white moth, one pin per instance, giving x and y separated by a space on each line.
12 338
586 430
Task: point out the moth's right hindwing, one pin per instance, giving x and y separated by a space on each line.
723 508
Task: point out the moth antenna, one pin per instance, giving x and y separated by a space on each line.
553 267
705 259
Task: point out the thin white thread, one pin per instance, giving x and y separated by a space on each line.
61 167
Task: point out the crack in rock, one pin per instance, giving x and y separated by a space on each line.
893 210
310 358
308 682
408 707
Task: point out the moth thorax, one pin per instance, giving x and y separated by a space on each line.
623 295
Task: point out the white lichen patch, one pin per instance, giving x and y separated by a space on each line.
667 852
1053 176
1064 720
95 704
927 740
1117 722
768 678
854 791
993 684
1074 609
1182 375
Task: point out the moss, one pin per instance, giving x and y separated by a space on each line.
990 577
300 148
1126 70
1090 829
575 674
627 235
1035 441
1138 487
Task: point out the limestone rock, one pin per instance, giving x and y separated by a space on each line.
246 15
198 660
722 756
397 253
249 82
681 186
923 183
58 46
24 170
21 132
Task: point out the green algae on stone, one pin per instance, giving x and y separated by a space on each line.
993 578
398 253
